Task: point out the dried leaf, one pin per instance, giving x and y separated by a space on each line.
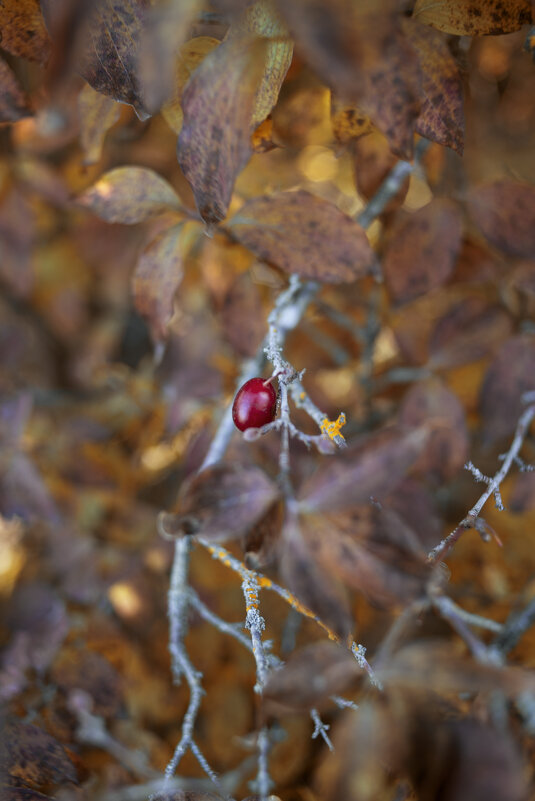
341 39
92 673
218 101
14 104
166 29
310 583
504 212
103 39
23 31
391 93
262 19
14 791
447 448
242 316
476 18
370 750
422 249
34 756
130 195
371 467
465 760
468 331
441 118
348 122
97 114
303 234
511 373
372 551
439 666
156 278
190 55
310 675
224 501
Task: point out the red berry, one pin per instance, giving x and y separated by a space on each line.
255 404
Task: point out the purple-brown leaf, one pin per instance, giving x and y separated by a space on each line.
441 118
130 195
311 674
372 467
422 249
217 103
222 502
511 373
156 278
504 212
303 234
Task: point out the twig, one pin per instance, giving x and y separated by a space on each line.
493 488
515 627
320 729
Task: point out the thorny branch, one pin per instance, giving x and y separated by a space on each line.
286 315
472 519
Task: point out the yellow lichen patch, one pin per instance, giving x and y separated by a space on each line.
333 427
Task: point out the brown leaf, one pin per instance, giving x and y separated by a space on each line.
373 160
372 551
369 750
261 542
310 583
476 18
504 212
465 760
348 122
15 791
447 448
441 118
391 93
440 666
421 250
156 278
130 195
14 104
97 114
242 316
92 673
34 756
217 103
341 39
311 674
189 56
102 40
224 501
371 467
303 234
468 331
165 31
261 19
23 31
511 373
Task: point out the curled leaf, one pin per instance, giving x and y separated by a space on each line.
303 234
130 195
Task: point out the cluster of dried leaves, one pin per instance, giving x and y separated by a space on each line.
131 129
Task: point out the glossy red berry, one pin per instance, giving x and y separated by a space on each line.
255 404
